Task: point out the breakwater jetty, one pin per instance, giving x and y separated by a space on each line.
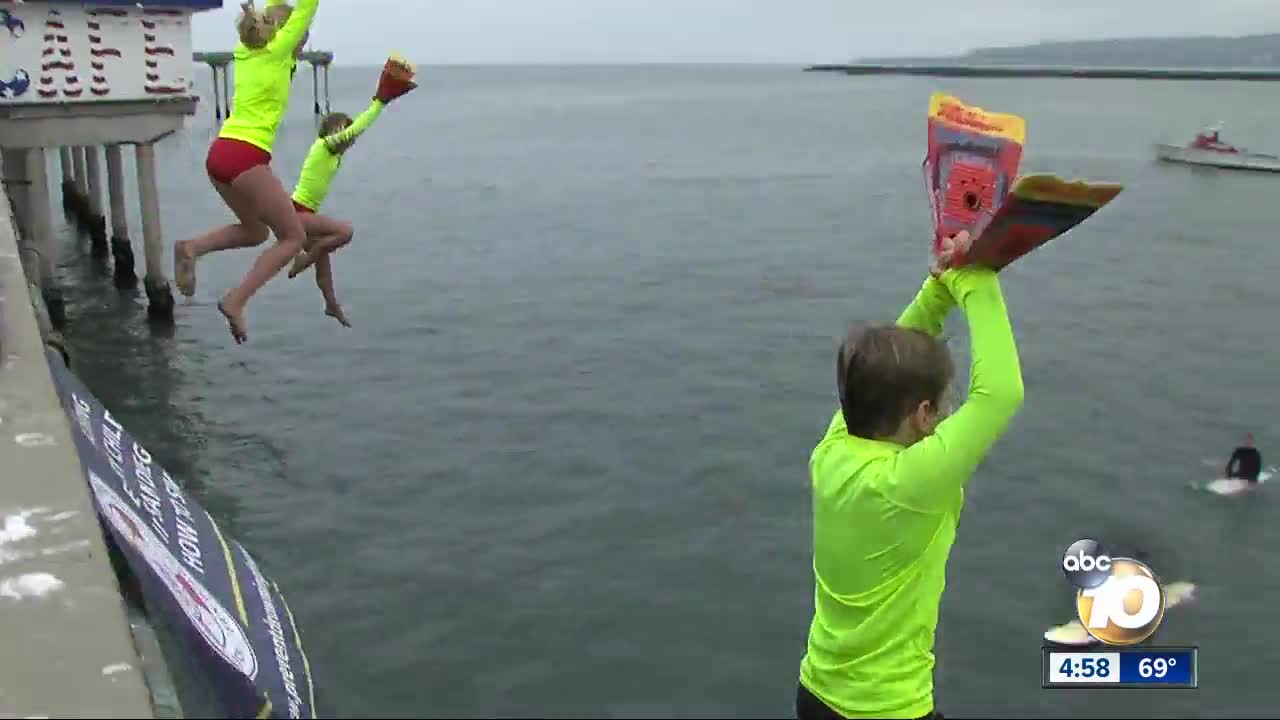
1033 71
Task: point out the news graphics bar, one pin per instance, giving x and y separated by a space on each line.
1120 602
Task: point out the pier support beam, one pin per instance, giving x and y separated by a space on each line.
121 247
97 224
80 207
68 179
40 243
226 93
159 296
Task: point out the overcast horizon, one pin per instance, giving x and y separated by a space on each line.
798 32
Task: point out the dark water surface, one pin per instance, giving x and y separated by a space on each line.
558 467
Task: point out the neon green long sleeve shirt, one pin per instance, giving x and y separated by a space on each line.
885 518
323 160
262 79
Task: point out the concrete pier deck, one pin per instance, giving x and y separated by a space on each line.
69 649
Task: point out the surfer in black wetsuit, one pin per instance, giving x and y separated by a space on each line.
1245 462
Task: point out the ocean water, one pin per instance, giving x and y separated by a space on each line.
558 467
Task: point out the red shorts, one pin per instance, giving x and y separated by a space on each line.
302 208
228 159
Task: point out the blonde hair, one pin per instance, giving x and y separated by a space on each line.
257 27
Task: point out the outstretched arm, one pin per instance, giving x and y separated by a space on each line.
290 34
928 311
358 126
925 475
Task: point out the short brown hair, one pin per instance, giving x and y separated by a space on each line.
884 372
334 122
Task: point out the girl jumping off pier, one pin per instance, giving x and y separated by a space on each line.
338 132
239 159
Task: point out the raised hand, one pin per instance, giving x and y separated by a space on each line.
397 79
952 248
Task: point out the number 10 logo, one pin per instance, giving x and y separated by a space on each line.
1120 601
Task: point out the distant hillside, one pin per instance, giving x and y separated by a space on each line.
1215 52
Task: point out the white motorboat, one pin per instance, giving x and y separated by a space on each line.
1208 149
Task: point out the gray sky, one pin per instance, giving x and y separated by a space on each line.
788 31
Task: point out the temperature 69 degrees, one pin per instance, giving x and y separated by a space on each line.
1119 600
1159 667
1156 667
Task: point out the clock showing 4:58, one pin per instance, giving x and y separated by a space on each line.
1076 667
1086 667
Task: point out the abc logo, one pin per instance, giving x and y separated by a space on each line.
1119 600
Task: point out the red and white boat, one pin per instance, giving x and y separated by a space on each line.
1208 148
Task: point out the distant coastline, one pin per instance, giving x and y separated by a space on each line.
1114 73
1238 53
1248 57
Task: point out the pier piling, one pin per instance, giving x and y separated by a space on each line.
159 295
327 108
226 93
97 222
68 180
40 244
80 207
121 247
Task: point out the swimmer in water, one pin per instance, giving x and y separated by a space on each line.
888 483
1245 462
239 159
325 235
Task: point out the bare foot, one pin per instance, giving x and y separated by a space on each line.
304 261
184 268
337 314
235 321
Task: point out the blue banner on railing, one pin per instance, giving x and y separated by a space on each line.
234 619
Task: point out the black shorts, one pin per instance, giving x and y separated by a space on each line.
809 707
